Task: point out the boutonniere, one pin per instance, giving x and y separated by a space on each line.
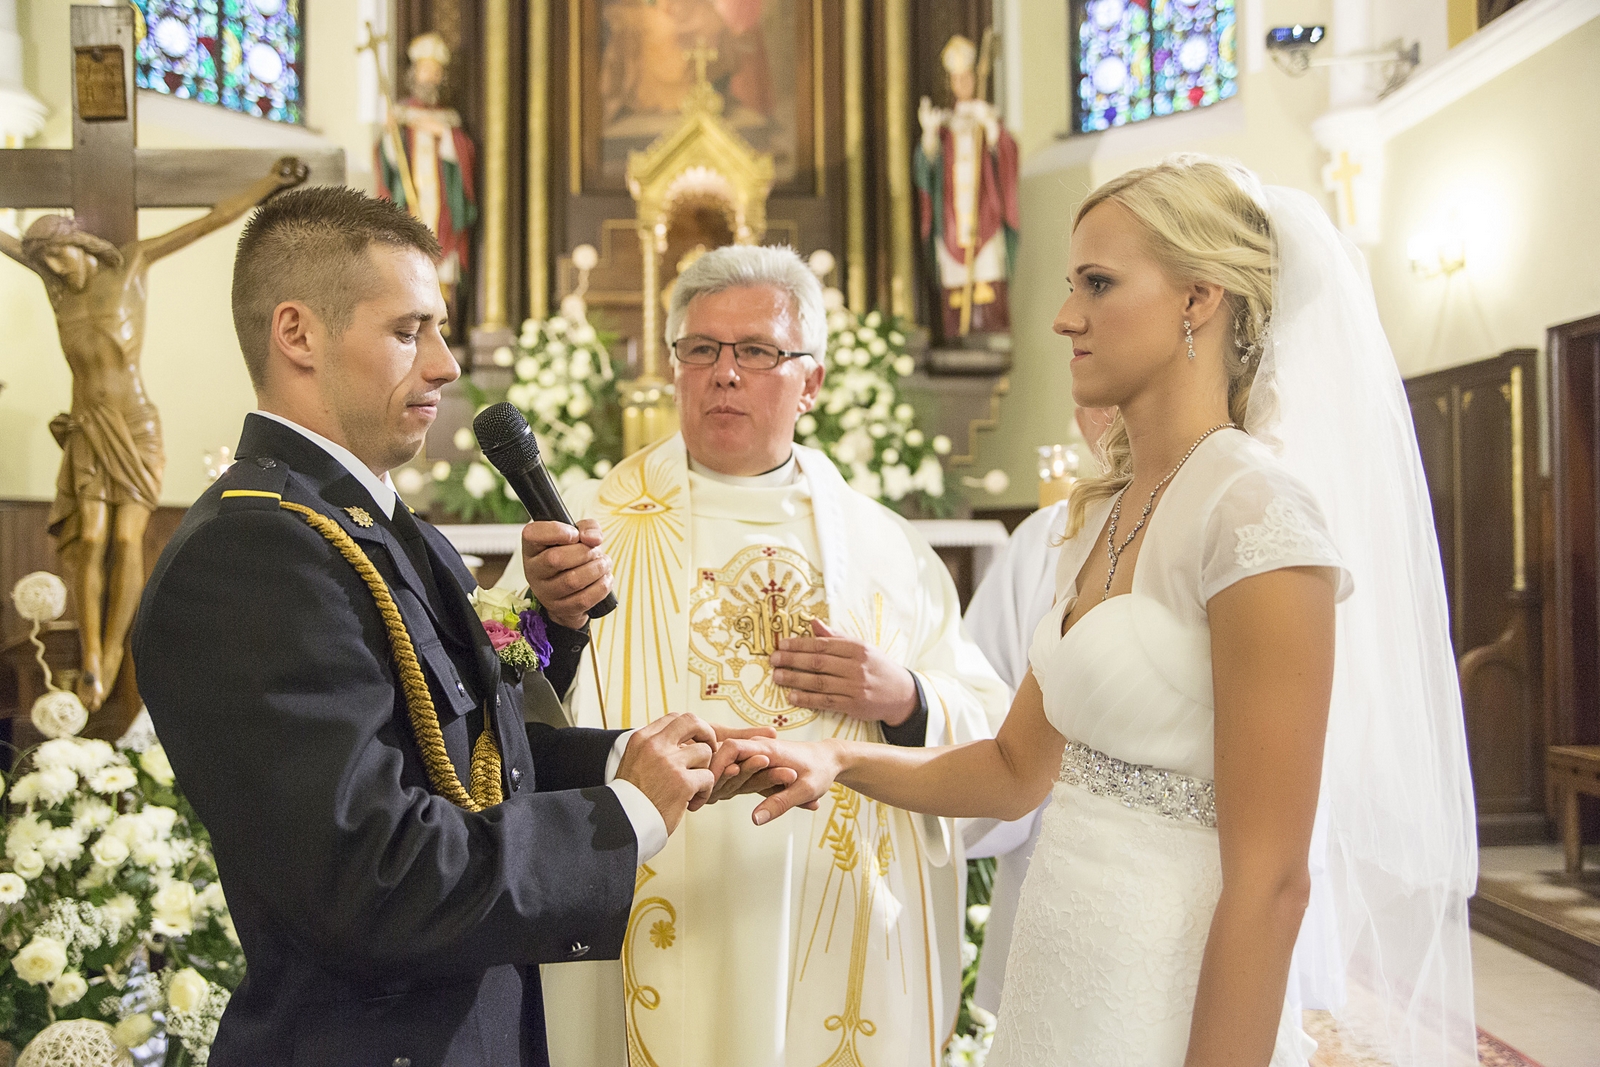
515 627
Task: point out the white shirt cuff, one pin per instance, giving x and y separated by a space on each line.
649 828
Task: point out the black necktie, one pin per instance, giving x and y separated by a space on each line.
410 535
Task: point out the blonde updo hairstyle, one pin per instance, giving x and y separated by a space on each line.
1204 222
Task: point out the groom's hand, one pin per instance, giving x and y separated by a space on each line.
828 672
566 570
670 762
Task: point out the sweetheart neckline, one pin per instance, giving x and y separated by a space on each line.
1061 637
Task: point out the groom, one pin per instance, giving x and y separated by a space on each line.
399 851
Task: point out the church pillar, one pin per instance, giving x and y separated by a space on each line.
897 144
855 228
538 158
496 137
21 115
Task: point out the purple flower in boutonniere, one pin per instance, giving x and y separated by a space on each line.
536 632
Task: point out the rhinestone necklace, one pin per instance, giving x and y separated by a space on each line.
1112 550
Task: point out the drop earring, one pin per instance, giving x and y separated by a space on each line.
1188 335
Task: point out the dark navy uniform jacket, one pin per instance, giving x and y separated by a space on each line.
382 925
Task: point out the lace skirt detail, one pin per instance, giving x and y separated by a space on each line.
1110 931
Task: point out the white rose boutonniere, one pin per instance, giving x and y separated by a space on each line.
41 960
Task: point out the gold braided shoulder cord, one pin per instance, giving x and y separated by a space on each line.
486 791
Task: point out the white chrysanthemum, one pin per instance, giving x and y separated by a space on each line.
57 752
54 784
41 960
12 888
92 813
113 780
120 912
478 480
59 714
25 790
60 848
40 596
154 855
25 834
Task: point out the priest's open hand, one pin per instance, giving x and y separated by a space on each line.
829 672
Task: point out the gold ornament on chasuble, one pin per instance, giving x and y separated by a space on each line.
737 616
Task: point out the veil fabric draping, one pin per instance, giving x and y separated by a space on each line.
1385 945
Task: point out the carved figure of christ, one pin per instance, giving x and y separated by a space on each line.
95 272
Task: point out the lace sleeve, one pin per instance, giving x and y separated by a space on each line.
1264 521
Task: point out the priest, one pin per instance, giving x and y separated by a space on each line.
758 589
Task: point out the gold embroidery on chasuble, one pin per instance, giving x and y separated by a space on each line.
737 615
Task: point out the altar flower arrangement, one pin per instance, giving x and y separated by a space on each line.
863 421
565 383
515 626
110 908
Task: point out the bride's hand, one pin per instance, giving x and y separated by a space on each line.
788 773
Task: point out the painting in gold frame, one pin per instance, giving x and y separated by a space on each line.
637 66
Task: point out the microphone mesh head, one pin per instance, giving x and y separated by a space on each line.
502 432
500 424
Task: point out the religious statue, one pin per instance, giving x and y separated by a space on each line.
425 161
112 459
966 177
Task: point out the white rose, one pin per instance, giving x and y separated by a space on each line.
113 779
29 864
59 714
478 480
521 396
109 851
187 990
173 908
12 888
130 828
134 1031
68 989
497 604
154 763
41 960
54 784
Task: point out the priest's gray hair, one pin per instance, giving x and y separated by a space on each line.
737 266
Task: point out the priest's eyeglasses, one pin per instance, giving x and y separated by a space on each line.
749 355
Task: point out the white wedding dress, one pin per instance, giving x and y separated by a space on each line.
1118 900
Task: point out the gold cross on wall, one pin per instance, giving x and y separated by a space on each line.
1345 174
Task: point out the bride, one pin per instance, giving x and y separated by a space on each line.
1244 699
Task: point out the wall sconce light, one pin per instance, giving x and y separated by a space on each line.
1436 252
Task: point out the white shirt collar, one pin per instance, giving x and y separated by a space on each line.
381 489
787 474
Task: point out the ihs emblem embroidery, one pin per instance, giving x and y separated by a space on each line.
359 516
737 616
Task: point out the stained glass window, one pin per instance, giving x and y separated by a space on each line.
1139 58
243 54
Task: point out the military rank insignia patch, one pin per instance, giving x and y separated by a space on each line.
359 516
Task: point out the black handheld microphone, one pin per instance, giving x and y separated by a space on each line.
509 444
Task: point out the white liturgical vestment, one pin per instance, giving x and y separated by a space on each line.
826 937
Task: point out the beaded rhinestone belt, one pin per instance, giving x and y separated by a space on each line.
1135 785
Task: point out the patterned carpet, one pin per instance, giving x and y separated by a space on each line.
1331 1050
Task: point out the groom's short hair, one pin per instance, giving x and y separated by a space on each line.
310 245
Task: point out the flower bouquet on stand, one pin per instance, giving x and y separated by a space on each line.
864 422
110 908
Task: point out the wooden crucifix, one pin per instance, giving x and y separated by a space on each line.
94 268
